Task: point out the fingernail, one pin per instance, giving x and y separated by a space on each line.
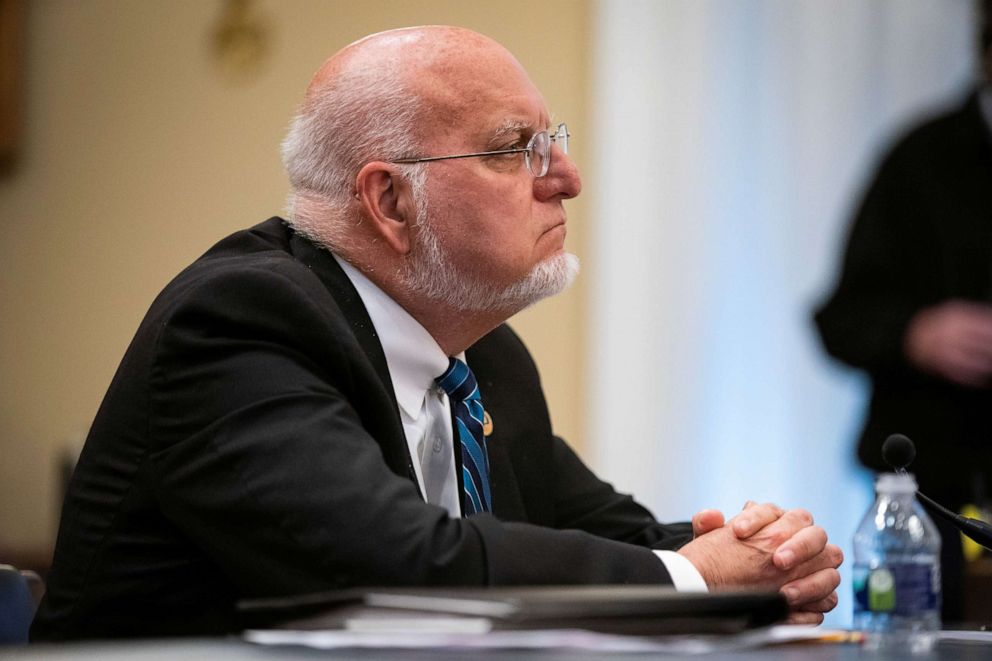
787 557
743 524
791 594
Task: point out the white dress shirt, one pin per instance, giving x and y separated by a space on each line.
414 360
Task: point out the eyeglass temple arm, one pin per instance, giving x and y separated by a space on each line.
518 150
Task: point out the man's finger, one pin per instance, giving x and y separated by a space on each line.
754 517
705 521
781 530
805 545
830 558
824 605
812 588
804 617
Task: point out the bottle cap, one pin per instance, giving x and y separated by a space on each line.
895 483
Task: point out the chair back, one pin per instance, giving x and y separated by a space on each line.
19 595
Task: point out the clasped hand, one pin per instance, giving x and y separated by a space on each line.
767 548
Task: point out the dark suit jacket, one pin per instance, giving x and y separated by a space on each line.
923 235
250 445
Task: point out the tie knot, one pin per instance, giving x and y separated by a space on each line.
458 381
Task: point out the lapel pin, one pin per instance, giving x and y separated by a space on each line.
487 424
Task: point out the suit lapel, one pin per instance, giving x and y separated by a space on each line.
325 267
322 264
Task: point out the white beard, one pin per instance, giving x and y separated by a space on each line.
430 272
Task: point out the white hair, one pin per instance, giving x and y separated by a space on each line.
430 272
361 116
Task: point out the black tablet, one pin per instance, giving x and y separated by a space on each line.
626 609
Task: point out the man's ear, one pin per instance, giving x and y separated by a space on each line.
387 202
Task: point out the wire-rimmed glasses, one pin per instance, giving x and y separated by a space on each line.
537 153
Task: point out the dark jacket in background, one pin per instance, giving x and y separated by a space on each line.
923 235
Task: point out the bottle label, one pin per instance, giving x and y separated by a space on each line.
905 589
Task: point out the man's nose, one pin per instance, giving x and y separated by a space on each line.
562 180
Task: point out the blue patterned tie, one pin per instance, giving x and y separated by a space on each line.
466 409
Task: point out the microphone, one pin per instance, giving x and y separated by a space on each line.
898 451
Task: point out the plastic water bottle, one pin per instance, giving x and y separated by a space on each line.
897 570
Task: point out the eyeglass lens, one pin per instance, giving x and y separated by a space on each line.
538 154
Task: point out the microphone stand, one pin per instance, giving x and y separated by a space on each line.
979 531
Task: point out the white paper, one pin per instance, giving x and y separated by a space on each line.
539 639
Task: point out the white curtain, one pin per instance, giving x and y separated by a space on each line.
731 141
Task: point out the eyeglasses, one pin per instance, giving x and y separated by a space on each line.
537 153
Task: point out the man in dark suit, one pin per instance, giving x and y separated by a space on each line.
285 419
913 307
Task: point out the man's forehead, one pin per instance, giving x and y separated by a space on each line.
461 79
499 100
469 80
484 125
411 55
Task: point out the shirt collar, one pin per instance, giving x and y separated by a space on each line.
413 356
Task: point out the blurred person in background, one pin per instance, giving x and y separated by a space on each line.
913 306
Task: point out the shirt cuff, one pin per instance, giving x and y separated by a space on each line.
685 576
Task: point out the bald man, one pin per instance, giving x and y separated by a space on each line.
333 400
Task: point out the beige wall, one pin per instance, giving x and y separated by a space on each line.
139 154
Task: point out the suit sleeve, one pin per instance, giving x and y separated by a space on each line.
587 503
263 458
